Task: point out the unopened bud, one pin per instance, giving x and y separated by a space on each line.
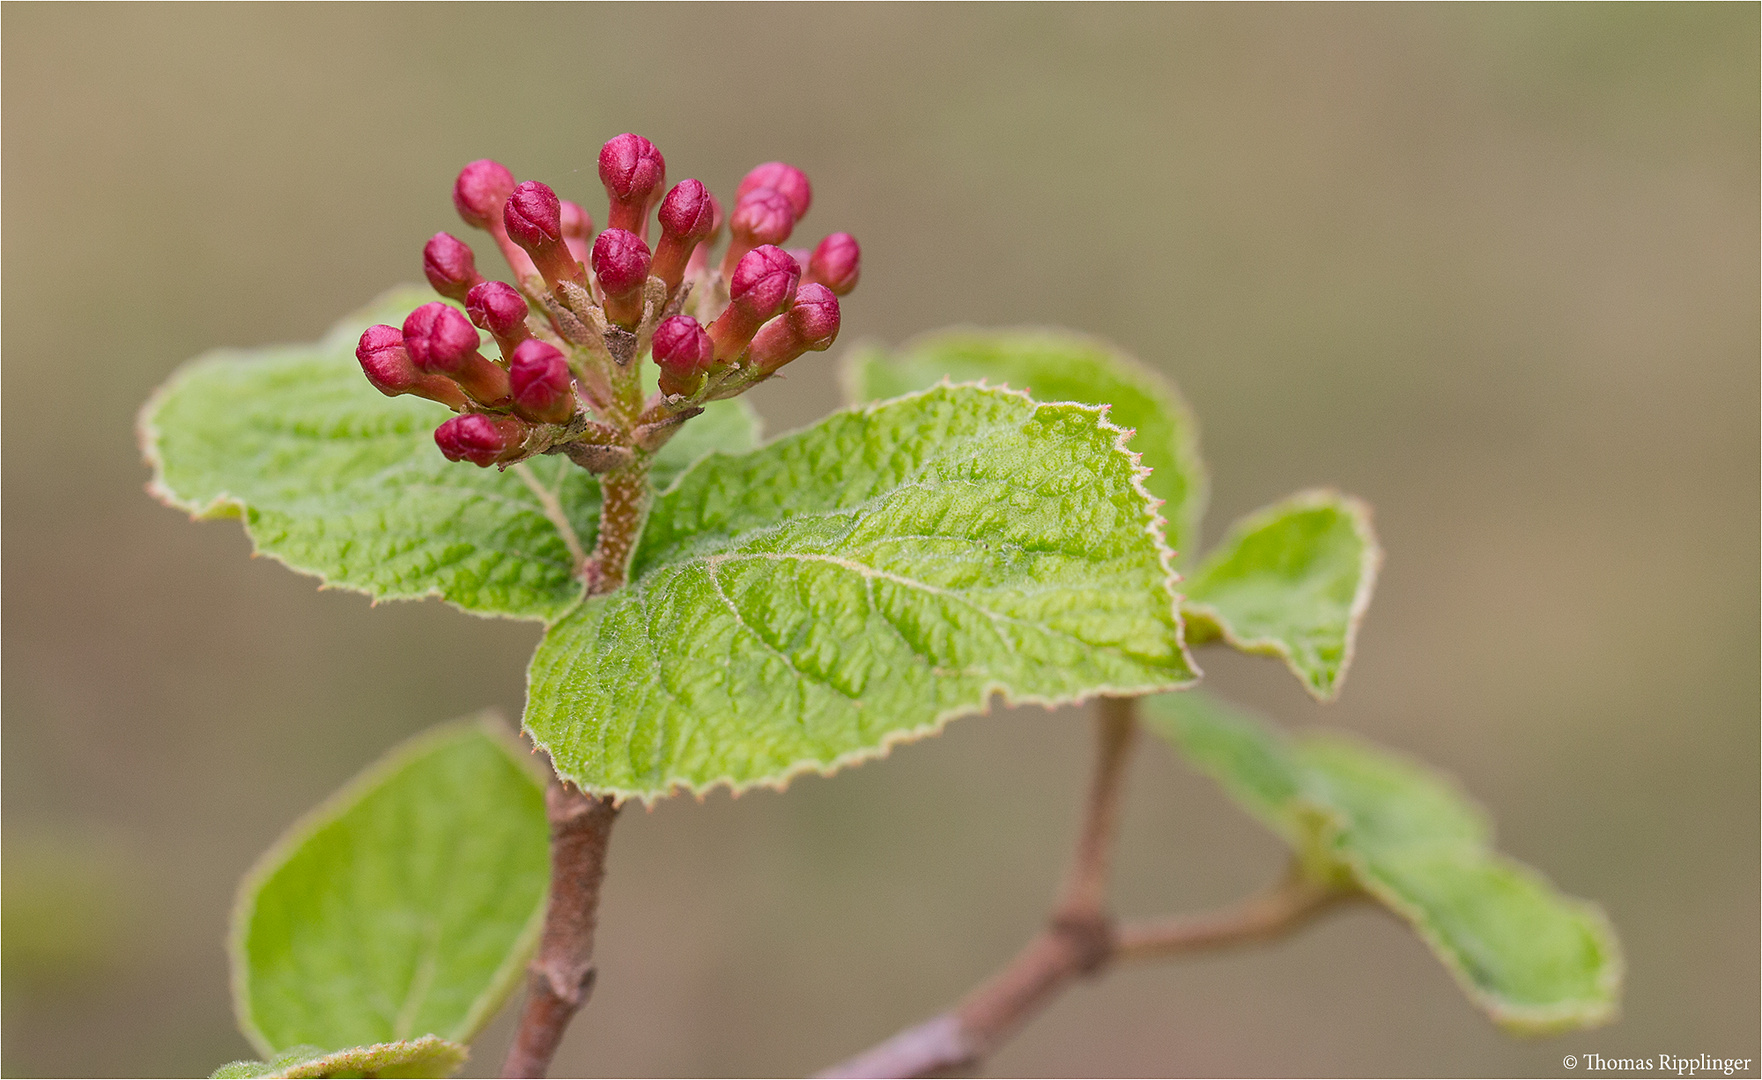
577 230
533 217
481 190
761 216
688 214
700 256
762 286
388 367
810 325
450 266
621 263
633 172
538 376
499 308
683 352
785 179
836 263
481 439
441 341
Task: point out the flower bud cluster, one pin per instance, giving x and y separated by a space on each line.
584 308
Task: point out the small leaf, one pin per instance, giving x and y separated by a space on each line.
1534 959
1058 365
1293 581
427 1056
858 584
336 480
406 905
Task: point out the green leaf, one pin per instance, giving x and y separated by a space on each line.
1292 581
1534 959
1058 365
336 480
427 1056
858 584
406 905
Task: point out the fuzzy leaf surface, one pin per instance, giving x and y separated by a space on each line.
334 479
1534 959
404 906
1057 365
427 1056
857 584
1292 581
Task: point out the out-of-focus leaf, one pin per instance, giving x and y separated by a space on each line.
1534 959
406 905
427 1056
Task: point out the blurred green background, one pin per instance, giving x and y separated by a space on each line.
1492 268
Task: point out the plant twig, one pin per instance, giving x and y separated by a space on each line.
560 978
1081 939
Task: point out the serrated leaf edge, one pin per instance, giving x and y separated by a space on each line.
1154 527
851 362
350 1057
339 802
225 505
1370 563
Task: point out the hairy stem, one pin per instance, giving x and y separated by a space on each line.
560 978
624 494
1080 939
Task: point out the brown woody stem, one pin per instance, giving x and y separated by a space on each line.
560 978
1081 939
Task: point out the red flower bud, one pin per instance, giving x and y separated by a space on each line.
688 213
810 325
441 341
700 255
388 367
621 263
499 308
450 266
788 180
481 439
836 263
538 376
533 217
683 352
633 172
763 285
762 216
577 229
481 190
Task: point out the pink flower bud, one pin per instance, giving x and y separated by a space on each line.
450 266
763 285
700 255
538 376
481 439
533 217
499 308
788 180
577 229
688 213
441 341
633 172
621 263
683 352
481 190
388 367
762 216
810 325
836 263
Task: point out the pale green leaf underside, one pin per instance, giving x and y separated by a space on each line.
1534 959
335 479
1292 581
405 906
1058 365
857 584
427 1056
